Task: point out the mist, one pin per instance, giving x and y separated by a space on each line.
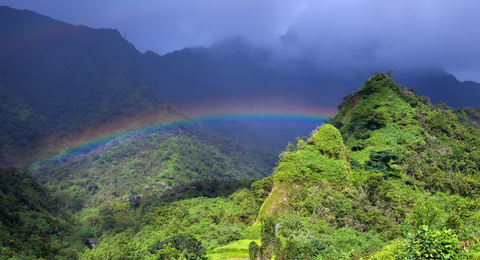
340 35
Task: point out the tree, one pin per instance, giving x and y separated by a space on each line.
268 238
253 250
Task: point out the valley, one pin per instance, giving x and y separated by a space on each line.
225 152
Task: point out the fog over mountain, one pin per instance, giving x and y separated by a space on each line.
340 35
293 57
197 129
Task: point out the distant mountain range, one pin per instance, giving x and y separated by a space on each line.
75 75
118 161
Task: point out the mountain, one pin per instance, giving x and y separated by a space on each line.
389 168
102 70
70 76
438 85
377 119
73 72
83 83
233 77
87 84
77 109
237 77
116 166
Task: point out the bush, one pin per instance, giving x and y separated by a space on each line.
178 244
431 244
253 250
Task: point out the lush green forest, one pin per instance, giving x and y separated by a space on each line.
30 225
146 166
469 116
20 124
390 177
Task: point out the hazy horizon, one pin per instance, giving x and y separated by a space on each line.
338 35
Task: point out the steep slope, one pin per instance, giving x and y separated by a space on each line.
29 224
20 126
469 116
72 89
413 172
322 159
148 165
76 73
437 151
85 83
67 73
74 78
330 200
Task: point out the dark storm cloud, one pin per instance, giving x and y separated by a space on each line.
338 34
392 33
167 25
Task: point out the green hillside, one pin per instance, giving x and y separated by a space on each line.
64 86
74 72
437 152
146 166
30 225
469 116
391 176
20 126
389 172
413 171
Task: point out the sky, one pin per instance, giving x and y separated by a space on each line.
341 33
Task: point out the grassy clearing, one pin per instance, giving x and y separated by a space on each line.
235 250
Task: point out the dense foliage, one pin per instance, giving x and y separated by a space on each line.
144 166
392 177
428 244
20 126
412 167
201 223
29 226
469 116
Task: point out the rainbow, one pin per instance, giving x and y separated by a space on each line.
102 139
274 109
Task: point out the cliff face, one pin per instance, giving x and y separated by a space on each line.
322 160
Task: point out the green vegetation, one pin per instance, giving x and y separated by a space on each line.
321 159
143 166
437 152
391 177
363 200
234 250
20 126
469 116
412 170
427 244
29 226
208 223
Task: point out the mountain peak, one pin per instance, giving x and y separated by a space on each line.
320 161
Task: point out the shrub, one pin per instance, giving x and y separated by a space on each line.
431 244
253 250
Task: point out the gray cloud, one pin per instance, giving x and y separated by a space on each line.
392 33
164 26
339 34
